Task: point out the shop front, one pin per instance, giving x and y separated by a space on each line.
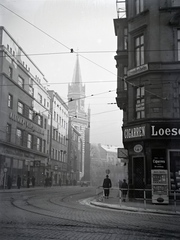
22 163
153 147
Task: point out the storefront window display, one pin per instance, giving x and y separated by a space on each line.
175 170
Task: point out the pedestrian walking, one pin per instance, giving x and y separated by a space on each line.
124 186
107 185
18 182
9 182
33 181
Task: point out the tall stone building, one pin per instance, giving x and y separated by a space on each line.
80 118
24 110
148 87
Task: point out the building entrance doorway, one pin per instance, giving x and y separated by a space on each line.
138 175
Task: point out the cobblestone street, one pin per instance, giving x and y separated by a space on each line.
58 213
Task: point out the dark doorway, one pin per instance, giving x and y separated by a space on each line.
138 175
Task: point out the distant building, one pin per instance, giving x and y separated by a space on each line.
74 153
80 118
104 160
58 146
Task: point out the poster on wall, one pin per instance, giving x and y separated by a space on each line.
159 159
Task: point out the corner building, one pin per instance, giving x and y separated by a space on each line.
148 87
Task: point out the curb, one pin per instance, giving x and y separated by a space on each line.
132 209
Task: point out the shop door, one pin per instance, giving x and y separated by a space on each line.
138 175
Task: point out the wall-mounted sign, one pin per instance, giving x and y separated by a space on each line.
165 130
159 159
137 70
135 132
26 123
138 148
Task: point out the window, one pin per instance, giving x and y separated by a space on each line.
20 81
45 123
10 72
56 135
140 102
125 39
8 132
139 50
30 114
47 136
31 90
44 102
125 76
39 98
44 146
10 101
19 136
178 39
29 141
39 120
56 155
39 144
139 6
20 108
52 153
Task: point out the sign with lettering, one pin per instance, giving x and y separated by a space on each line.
135 132
165 130
137 70
159 159
25 123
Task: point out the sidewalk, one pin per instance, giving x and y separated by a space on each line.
114 203
22 189
137 206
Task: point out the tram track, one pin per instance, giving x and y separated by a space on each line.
67 222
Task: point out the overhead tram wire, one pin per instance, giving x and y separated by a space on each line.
72 51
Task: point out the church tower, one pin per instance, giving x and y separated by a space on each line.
80 118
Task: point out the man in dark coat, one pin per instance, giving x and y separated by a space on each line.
107 185
18 181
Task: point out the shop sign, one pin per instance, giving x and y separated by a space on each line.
137 70
138 148
135 132
27 124
158 159
165 130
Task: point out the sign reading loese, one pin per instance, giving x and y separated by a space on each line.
165 130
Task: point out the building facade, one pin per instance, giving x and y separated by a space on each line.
24 108
148 87
80 118
58 145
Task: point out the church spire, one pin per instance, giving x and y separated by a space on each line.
77 72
